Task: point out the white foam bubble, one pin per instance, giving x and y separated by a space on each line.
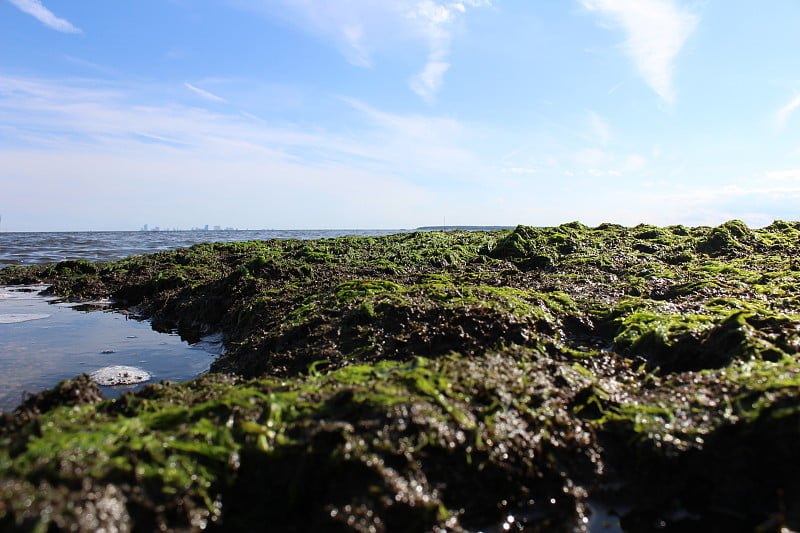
120 375
22 292
14 318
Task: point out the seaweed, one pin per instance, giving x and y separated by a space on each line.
436 381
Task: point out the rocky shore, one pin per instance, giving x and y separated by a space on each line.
557 379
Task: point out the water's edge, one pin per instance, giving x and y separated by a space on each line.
44 340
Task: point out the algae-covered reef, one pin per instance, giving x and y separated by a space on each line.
533 379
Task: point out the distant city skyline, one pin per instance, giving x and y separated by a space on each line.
397 113
205 227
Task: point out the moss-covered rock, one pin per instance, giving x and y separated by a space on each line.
728 238
443 381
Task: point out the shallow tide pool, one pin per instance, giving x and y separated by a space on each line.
44 340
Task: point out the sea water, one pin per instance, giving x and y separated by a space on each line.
44 340
28 248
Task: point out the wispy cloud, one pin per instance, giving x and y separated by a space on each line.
786 111
420 145
361 29
433 20
657 31
428 82
45 16
79 135
596 172
355 49
70 127
89 115
354 28
205 94
758 199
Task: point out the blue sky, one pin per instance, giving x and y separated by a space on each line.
397 113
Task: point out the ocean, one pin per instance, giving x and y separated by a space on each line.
44 340
29 248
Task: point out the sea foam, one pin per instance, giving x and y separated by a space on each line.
120 375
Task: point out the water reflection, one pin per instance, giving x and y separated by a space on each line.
67 339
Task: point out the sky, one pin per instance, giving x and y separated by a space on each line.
389 114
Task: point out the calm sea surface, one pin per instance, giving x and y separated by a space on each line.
44 340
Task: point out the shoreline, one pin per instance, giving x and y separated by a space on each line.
448 380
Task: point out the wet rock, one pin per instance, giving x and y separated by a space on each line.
443 381
726 239
73 392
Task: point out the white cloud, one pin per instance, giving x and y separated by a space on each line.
83 115
361 29
357 52
430 12
656 31
428 82
786 111
84 137
205 94
790 177
603 162
351 26
44 15
419 144
433 21
757 200
520 170
80 144
597 172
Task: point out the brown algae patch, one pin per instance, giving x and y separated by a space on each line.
443 381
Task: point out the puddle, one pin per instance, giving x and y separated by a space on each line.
15 318
44 340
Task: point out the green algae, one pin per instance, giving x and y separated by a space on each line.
182 445
353 290
435 381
